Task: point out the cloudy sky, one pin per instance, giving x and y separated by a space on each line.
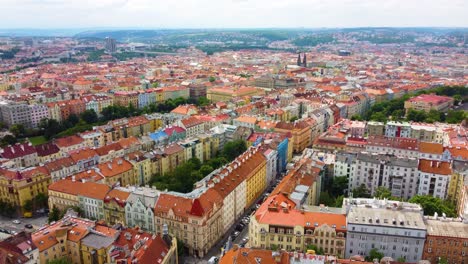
232 13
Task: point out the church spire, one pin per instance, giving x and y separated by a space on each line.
299 59
304 62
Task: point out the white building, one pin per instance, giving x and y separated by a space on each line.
38 112
139 207
398 129
402 147
399 175
271 156
343 164
394 228
434 178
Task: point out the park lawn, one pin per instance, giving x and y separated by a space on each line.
37 140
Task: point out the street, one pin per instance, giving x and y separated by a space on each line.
7 224
216 250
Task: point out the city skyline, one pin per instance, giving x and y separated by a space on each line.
47 14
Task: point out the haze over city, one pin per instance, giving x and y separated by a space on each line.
232 13
234 132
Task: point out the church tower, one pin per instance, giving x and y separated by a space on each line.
299 59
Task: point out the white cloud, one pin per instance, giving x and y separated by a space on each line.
231 13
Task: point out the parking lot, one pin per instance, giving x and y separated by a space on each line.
7 225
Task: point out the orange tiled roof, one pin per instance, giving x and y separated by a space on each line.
68 141
435 167
432 148
115 167
88 189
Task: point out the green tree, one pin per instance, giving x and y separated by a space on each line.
326 199
339 201
155 85
50 127
41 200
294 118
318 251
73 119
17 130
8 140
54 214
361 192
339 185
212 79
234 148
89 116
379 116
58 261
415 115
28 206
206 169
203 101
443 260
374 254
382 192
196 163
457 99
401 259
181 249
455 117
433 205
357 118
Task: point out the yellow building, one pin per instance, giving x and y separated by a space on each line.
114 206
141 167
18 187
455 188
82 241
255 170
278 224
225 94
300 131
175 155
155 121
62 239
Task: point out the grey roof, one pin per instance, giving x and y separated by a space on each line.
447 228
97 241
301 188
386 217
390 160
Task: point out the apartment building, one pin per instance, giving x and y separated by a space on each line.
400 175
139 208
17 186
446 238
394 228
16 114
279 224
397 129
427 102
21 154
434 178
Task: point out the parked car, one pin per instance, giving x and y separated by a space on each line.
235 234
239 227
16 221
28 226
213 260
245 240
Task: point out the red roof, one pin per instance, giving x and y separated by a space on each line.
170 130
46 149
18 150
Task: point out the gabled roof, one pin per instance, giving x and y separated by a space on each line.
17 150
